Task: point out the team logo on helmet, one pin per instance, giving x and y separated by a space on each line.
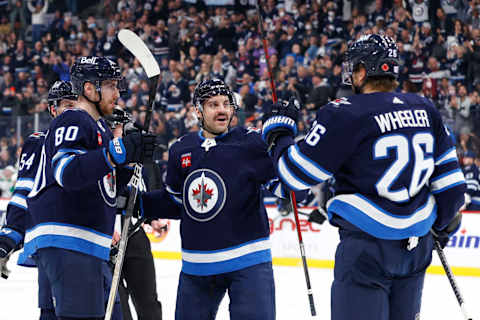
204 194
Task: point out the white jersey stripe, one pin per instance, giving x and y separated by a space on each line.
449 180
25 184
69 231
310 168
289 178
227 254
383 217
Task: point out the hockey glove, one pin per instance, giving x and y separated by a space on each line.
10 240
443 236
281 121
134 147
318 216
122 202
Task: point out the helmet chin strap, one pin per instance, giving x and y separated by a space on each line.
97 103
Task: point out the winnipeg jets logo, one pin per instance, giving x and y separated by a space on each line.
108 190
204 194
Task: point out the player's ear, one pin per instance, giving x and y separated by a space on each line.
88 88
198 113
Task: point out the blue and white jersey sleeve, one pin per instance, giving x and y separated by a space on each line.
78 158
166 203
472 179
447 182
265 170
315 159
472 176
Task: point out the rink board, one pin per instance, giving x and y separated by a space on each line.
463 250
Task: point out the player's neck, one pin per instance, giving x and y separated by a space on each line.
369 89
88 107
209 135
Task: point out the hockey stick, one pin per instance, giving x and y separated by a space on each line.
451 279
292 194
140 51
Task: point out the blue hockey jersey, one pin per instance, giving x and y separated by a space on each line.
18 217
215 187
17 214
473 186
396 170
73 198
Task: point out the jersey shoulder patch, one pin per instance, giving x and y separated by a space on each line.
337 103
253 129
37 135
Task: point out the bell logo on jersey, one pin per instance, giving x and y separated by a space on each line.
204 195
186 160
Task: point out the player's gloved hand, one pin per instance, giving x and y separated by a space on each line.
442 236
122 202
134 147
318 216
9 241
282 120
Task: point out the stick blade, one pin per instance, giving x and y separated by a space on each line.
140 50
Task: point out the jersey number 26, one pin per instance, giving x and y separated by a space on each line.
423 164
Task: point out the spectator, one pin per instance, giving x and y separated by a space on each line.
39 18
8 176
320 94
17 10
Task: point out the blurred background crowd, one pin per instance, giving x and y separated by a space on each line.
193 40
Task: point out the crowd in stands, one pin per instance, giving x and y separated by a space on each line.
439 47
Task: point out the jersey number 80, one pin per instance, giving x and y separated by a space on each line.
68 135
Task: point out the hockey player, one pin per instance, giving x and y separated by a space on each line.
73 198
60 97
470 170
397 176
214 186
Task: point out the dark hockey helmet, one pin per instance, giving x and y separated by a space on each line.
59 91
119 116
210 88
377 53
95 70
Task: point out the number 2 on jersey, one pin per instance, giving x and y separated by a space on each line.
423 164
